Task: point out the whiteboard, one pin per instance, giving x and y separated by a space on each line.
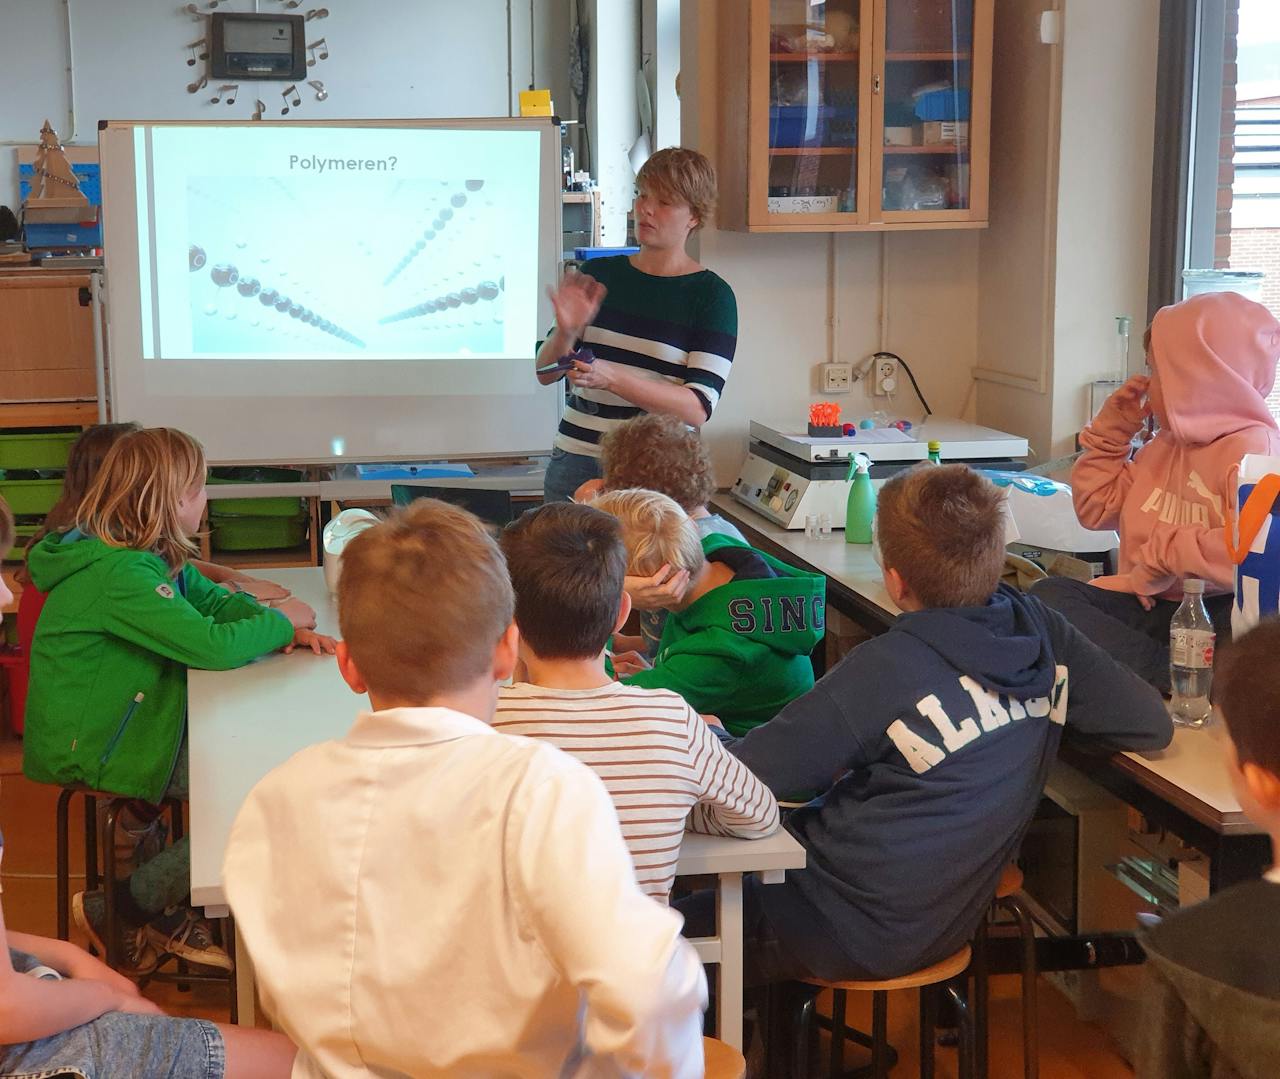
316 291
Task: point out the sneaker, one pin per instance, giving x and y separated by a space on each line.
182 932
137 957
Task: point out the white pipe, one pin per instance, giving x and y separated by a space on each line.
68 134
884 291
98 304
833 301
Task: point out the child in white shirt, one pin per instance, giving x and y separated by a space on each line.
428 897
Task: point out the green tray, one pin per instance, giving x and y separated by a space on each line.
31 496
36 449
255 533
254 507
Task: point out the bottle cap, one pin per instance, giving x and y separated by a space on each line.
1193 586
935 447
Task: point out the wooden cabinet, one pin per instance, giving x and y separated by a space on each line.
46 339
853 115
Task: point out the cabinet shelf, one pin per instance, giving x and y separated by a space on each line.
812 151
911 57
948 148
820 57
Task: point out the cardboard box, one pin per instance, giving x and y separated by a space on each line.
935 132
899 136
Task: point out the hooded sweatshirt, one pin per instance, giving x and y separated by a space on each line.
932 742
1212 1003
107 703
1213 362
741 651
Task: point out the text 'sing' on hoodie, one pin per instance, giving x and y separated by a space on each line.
741 652
1213 363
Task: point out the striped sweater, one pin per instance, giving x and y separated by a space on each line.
682 330
661 763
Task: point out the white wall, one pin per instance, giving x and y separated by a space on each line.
392 58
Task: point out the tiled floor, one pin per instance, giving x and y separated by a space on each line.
1070 1049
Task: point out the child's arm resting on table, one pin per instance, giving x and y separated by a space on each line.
1108 706
35 1008
143 607
574 887
732 801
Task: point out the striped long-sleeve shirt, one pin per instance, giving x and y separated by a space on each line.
661 763
681 330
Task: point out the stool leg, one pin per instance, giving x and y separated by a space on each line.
64 867
981 1003
928 1029
90 843
1030 1016
957 997
805 1029
880 1035
112 958
175 819
839 1000
228 940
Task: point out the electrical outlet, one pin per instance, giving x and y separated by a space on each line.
884 378
837 377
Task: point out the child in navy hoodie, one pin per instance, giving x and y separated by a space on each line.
931 743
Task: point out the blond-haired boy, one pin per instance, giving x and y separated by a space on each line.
941 733
736 644
429 897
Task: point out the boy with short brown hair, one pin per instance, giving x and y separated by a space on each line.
1212 1007
941 733
662 765
427 866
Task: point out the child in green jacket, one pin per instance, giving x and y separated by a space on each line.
126 615
737 642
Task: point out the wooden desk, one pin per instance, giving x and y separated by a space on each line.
245 722
1184 788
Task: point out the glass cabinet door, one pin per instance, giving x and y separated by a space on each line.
818 55
923 90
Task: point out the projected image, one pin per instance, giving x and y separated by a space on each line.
313 243
422 272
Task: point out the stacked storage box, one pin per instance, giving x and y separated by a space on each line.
256 524
32 466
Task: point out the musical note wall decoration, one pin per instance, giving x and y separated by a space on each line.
228 91
295 101
319 50
198 85
318 87
317 13
260 108
203 53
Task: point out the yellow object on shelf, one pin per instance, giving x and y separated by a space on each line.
535 102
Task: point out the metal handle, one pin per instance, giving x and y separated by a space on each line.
875 84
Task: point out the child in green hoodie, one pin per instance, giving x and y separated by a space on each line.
126 615
737 642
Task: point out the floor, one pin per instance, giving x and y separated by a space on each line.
1069 1048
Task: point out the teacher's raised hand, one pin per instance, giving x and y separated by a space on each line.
576 303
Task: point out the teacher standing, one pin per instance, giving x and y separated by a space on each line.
662 327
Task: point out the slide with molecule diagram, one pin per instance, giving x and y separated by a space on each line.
313 243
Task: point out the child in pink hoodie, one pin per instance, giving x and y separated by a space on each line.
1213 362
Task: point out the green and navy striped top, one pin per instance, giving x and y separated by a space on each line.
682 330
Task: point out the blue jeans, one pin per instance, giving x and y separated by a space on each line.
566 473
115 1043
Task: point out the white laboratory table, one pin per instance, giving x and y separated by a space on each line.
1184 788
245 722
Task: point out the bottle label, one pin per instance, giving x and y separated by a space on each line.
1191 648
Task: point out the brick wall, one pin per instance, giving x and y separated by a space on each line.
1259 249
1223 240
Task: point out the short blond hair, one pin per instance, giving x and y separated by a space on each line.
678 174
133 501
423 600
656 530
942 527
657 452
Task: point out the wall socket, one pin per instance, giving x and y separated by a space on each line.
884 377
837 377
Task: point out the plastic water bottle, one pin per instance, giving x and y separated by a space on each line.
1191 640
935 453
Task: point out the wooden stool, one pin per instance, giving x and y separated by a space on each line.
931 981
723 1061
1006 899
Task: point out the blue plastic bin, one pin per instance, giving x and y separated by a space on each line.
811 125
943 105
582 254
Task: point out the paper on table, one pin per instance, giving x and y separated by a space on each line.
878 436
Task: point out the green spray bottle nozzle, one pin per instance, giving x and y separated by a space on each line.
858 462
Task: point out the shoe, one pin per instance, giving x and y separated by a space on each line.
180 931
137 957
137 843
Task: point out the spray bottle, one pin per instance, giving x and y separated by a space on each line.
860 512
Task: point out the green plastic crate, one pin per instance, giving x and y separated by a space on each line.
36 449
33 496
253 507
234 532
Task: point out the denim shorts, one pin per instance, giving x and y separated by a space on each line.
116 1045
566 472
